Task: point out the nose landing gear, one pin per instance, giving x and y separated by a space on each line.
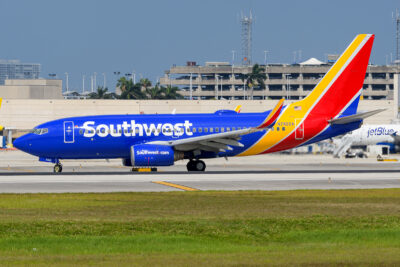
196 165
57 168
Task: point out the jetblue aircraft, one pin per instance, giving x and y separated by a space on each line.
383 134
160 140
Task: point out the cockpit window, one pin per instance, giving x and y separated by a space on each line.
39 131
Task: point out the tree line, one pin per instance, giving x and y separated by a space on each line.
141 90
144 89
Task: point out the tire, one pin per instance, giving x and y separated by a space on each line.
200 165
57 168
190 166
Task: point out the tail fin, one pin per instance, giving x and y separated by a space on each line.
339 90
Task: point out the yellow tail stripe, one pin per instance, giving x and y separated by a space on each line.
176 186
290 114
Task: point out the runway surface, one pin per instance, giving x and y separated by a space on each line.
21 173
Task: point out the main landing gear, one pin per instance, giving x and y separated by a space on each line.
196 165
57 168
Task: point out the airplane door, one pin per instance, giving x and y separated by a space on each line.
69 132
299 133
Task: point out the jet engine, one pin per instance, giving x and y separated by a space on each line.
147 155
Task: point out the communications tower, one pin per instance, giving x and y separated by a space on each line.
247 23
396 19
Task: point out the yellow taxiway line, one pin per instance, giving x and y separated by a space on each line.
176 186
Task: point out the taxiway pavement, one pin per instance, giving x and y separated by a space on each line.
22 173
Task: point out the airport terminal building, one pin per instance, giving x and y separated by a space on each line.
292 81
14 69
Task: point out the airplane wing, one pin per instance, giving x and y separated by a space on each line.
220 142
355 117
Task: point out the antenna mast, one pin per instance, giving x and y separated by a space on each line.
396 19
247 23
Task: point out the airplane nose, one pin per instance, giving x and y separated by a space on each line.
21 143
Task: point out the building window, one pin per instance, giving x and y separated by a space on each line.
275 87
379 75
379 87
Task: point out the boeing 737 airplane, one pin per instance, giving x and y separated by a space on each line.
385 134
160 140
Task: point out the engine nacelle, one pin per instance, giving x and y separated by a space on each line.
154 155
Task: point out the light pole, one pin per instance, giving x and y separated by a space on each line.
95 82
83 83
191 87
221 87
134 76
66 81
91 83
233 57
265 56
116 73
216 77
244 89
104 80
287 86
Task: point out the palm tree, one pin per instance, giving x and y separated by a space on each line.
123 83
257 76
145 83
132 91
102 93
171 92
155 92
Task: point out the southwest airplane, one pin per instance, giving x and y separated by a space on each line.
160 140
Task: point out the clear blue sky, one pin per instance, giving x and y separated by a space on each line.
87 36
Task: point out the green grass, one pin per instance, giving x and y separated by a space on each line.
305 227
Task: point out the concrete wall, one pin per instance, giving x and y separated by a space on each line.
25 114
32 89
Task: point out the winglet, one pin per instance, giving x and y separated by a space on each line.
273 116
238 108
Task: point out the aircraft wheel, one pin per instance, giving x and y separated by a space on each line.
199 165
57 168
190 166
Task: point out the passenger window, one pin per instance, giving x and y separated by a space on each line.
222 129
137 130
277 128
228 129
211 130
233 128
80 131
194 130
216 129
283 128
206 130
200 129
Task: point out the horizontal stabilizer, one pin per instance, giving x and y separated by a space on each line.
273 116
355 117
